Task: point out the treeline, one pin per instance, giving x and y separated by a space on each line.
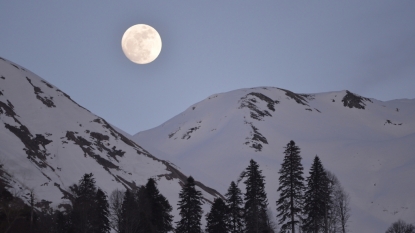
316 203
313 204
143 210
319 204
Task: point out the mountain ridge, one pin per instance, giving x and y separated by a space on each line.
48 141
356 138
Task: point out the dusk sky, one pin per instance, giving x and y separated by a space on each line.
208 47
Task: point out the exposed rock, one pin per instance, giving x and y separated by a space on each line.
45 99
250 101
183 179
299 98
85 145
99 137
10 104
189 131
256 139
15 66
117 135
270 103
96 147
8 110
34 152
352 100
391 123
98 120
173 133
37 89
126 184
100 146
47 84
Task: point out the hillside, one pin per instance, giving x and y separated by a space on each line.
48 142
368 144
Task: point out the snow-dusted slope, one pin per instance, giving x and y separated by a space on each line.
368 144
47 142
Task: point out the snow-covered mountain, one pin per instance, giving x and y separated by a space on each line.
368 144
48 142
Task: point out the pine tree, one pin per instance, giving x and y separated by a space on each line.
101 223
235 214
190 208
144 211
316 199
144 224
129 213
83 204
255 200
217 217
160 209
291 187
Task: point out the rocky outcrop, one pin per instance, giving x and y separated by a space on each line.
352 100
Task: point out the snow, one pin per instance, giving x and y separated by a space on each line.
374 160
65 160
370 150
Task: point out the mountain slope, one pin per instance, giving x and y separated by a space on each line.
367 143
47 142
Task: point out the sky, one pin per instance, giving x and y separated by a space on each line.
209 47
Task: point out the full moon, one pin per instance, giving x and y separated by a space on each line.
141 43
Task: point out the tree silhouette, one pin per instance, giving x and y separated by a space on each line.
190 208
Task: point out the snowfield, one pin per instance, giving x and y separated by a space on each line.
47 142
368 144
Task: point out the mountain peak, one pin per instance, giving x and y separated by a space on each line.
48 142
357 138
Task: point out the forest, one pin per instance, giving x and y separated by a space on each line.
315 203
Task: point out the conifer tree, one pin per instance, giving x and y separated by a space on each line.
291 187
160 209
102 223
255 200
316 199
144 224
83 204
144 211
129 213
235 214
216 221
190 208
